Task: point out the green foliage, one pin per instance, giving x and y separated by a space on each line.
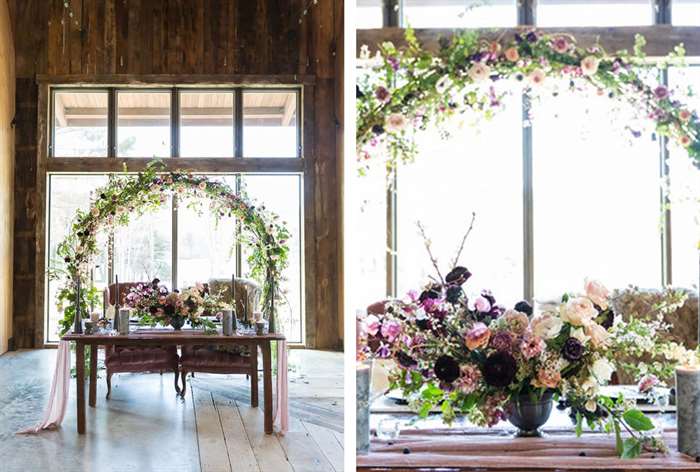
637 420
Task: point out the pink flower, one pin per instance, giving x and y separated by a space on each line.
479 72
469 378
561 45
549 378
512 54
661 92
477 337
371 325
684 115
684 141
531 346
516 321
537 77
202 186
391 329
589 65
597 293
502 341
395 122
382 94
647 382
481 304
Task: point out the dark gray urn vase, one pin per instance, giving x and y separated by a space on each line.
528 415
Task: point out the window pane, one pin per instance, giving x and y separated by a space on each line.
282 195
143 248
594 13
367 242
143 124
478 169
368 14
80 124
68 193
206 124
270 124
685 12
684 191
596 197
459 13
206 247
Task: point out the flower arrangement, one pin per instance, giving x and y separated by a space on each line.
154 304
128 196
409 88
471 355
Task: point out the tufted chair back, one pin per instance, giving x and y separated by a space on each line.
248 294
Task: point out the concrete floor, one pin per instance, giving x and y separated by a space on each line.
144 426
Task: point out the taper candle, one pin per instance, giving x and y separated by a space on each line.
78 317
363 374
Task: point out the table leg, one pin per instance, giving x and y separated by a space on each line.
254 375
80 384
267 385
93 375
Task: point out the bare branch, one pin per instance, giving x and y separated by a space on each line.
428 243
464 240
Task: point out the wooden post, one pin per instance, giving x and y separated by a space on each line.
267 384
80 384
92 399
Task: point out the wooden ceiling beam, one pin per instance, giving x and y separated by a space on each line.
661 39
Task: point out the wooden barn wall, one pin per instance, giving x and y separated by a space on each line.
7 112
177 37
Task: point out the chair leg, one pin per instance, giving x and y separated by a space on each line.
177 376
192 374
109 384
184 383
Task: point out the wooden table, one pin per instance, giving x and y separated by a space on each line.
155 337
426 450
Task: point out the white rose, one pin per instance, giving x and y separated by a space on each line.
578 311
597 293
546 326
578 333
602 370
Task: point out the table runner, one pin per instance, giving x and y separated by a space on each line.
55 409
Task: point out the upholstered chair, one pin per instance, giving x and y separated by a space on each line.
227 359
137 359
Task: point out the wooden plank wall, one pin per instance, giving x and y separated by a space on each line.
181 37
7 113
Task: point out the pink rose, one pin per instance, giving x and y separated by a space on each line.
597 293
395 122
537 77
647 382
512 54
589 65
560 45
482 305
390 329
371 325
478 336
547 378
578 311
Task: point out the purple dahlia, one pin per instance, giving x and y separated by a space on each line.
500 369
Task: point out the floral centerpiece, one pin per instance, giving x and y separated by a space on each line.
155 304
471 355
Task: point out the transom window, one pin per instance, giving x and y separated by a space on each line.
177 244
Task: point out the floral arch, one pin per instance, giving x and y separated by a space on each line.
125 196
410 88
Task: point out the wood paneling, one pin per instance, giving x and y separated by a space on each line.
192 41
661 39
7 113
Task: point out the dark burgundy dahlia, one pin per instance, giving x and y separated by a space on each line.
499 369
446 369
458 276
572 350
524 307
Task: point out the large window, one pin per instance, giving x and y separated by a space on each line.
178 243
578 196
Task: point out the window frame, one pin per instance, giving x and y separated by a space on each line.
237 164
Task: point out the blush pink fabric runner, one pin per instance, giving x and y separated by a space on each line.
58 397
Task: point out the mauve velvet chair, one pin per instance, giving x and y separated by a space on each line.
223 359
137 359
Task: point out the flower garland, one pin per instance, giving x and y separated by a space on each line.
410 88
127 196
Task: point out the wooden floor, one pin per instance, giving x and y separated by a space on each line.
145 426
230 437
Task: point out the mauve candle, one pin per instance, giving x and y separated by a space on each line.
688 410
